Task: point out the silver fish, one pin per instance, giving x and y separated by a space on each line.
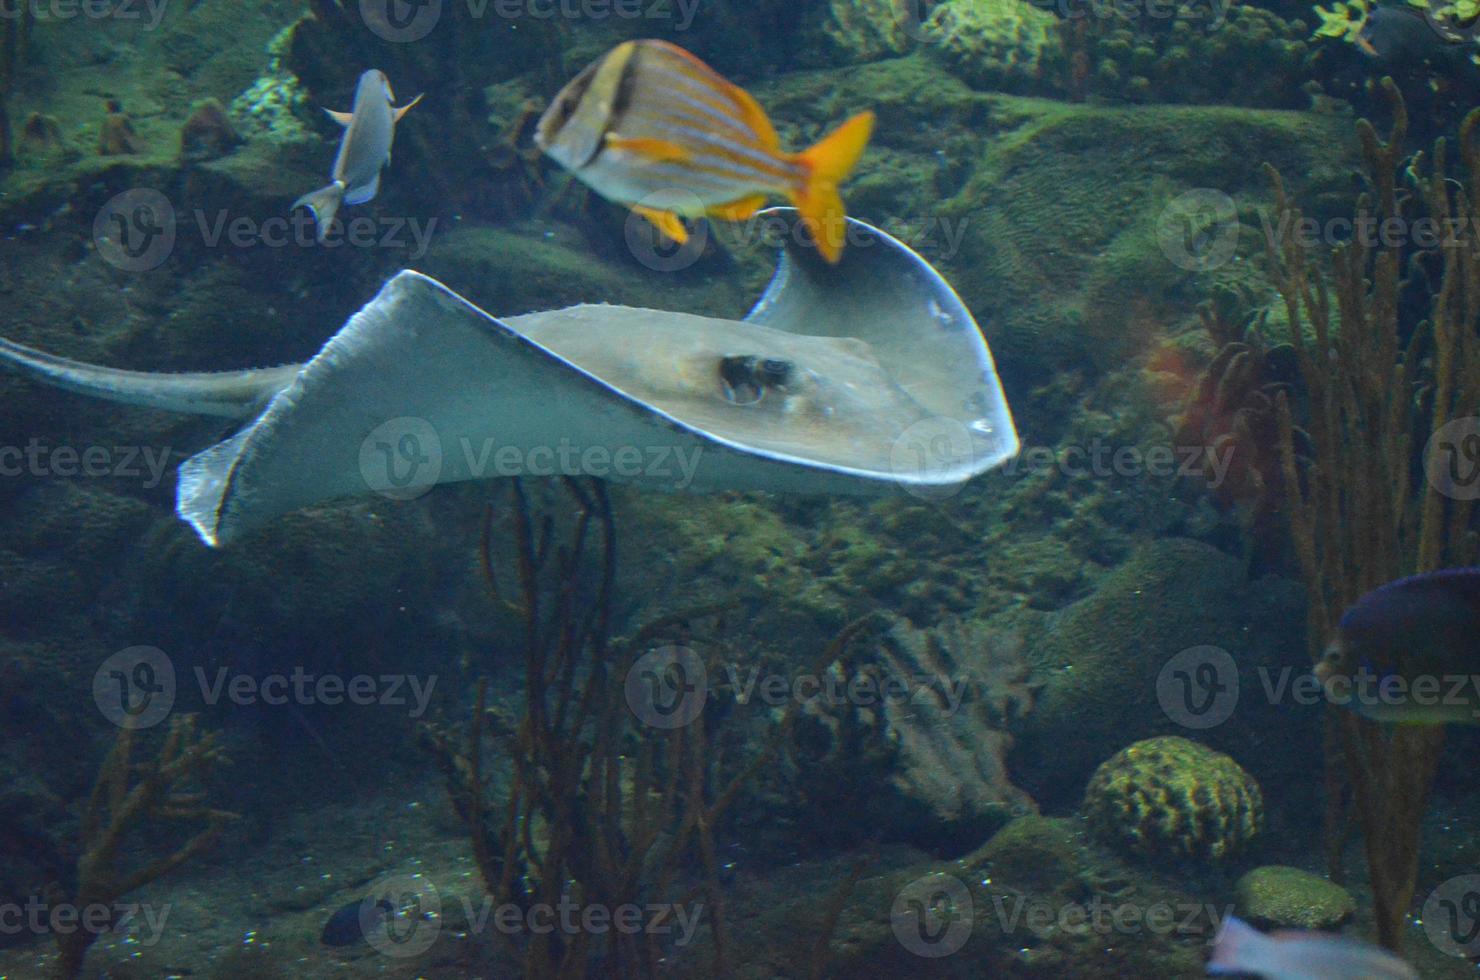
1293 955
365 150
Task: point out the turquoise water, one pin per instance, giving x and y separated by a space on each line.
940 601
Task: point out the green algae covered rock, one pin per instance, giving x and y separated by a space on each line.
869 29
1007 45
1042 855
1100 660
1281 896
1170 797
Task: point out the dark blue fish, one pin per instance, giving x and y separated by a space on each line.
1406 652
1398 35
354 922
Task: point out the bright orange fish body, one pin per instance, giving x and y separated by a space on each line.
651 126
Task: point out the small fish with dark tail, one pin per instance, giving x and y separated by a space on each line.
354 923
1406 652
651 126
1294 955
365 150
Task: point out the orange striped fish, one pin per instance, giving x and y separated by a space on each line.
651 126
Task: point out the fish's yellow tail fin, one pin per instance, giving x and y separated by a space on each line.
828 164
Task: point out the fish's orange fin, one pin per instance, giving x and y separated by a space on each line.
409 106
658 151
755 117
827 165
667 223
342 118
739 210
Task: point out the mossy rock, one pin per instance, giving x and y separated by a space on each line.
1005 45
1100 660
1280 896
1172 798
1038 854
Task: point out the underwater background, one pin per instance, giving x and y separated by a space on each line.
1048 723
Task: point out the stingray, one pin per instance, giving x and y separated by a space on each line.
863 378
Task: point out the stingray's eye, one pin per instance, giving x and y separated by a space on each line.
738 381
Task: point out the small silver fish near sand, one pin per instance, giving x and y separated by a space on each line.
365 150
1296 955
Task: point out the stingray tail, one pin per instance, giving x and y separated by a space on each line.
324 203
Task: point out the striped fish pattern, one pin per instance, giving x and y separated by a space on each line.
651 126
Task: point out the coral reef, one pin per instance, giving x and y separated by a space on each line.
274 106
1279 896
127 797
1171 798
868 29
207 134
1231 417
611 797
1100 660
117 137
934 731
1003 45
1376 397
1201 53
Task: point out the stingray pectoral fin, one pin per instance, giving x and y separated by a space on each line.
419 388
